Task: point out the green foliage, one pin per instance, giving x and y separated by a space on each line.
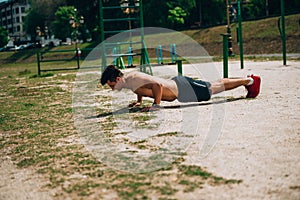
3 37
61 26
33 20
41 14
177 15
257 8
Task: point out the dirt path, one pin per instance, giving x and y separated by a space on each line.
20 184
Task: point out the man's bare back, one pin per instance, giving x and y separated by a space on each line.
141 84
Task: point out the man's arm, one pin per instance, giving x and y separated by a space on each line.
157 92
138 102
157 95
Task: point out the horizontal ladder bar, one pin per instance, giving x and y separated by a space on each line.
119 7
120 43
121 54
120 31
120 19
58 60
58 69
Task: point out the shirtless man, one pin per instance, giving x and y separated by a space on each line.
182 88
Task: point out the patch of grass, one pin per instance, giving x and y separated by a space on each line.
25 72
42 75
195 171
82 188
166 189
4 118
26 162
131 189
87 162
143 120
198 171
190 186
233 181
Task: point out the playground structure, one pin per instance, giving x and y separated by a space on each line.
129 7
173 54
282 31
227 40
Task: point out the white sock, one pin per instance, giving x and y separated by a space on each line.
251 81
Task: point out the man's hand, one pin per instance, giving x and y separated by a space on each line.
134 104
154 107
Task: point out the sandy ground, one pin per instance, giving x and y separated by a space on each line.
20 184
259 143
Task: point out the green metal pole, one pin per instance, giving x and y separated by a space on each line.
179 67
230 52
145 61
143 58
283 37
240 34
102 34
77 58
141 18
38 62
225 55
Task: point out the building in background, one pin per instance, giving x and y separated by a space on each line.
12 16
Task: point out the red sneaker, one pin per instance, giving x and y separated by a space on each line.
253 90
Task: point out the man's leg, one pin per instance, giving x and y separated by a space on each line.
252 84
228 84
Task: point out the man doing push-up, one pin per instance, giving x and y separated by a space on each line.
182 88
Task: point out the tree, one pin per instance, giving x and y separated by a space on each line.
61 27
176 16
89 9
3 37
41 15
33 20
167 13
46 8
179 12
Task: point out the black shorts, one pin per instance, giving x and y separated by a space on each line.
190 90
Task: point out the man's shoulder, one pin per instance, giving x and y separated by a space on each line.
137 74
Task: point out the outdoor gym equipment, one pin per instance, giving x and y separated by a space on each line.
281 28
179 67
118 60
126 7
159 55
229 46
130 57
41 59
225 55
173 52
240 34
226 38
